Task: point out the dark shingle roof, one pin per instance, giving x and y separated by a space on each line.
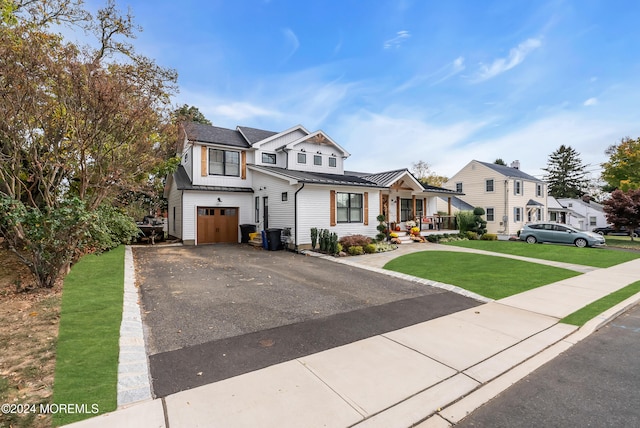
509 172
459 203
254 135
214 135
318 178
440 190
184 183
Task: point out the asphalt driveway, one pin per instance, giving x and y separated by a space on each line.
212 312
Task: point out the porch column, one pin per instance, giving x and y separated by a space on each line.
413 202
449 205
398 209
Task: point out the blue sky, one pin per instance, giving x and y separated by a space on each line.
394 82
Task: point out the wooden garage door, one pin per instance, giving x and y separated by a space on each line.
216 225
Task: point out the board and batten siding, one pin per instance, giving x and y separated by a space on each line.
174 205
280 212
187 161
310 150
314 210
191 200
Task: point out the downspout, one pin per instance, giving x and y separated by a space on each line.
506 207
295 217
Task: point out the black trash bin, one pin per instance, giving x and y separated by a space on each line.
245 230
273 238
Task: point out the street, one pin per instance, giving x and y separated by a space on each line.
593 384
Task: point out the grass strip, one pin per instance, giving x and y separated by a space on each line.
596 257
581 316
87 351
490 276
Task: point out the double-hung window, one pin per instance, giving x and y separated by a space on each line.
332 162
517 214
406 209
302 158
490 214
224 162
349 207
488 185
538 190
517 187
317 160
459 187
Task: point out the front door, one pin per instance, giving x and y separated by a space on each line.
217 225
265 212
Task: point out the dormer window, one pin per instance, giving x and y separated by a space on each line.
317 160
269 158
332 162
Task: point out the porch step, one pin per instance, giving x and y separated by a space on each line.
256 242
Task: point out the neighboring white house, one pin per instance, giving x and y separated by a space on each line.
293 179
509 196
583 214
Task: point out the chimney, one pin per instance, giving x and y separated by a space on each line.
515 164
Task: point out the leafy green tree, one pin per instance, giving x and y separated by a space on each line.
190 113
622 170
623 209
566 173
499 161
78 126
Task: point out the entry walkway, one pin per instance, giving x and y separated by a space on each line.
432 373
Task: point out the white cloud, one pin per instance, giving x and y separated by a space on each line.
516 56
399 39
238 111
443 73
590 102
292 42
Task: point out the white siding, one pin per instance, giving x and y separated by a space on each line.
311 149
314 211
216 180
193 199
280 212
187 161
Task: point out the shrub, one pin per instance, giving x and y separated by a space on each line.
471 235
489 237
466 220
370 248
314 237
356 250
354 240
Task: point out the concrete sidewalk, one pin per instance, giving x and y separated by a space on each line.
432 374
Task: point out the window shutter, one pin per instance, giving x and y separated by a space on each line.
332 208
203 162
243 173
366 208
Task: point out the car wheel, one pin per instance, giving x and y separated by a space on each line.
601 233
634 235
580 242
531 239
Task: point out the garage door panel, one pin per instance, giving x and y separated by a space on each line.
217 225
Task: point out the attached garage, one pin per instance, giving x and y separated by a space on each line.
217 225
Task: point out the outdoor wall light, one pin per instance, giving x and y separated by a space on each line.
219 200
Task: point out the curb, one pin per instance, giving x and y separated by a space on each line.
458 410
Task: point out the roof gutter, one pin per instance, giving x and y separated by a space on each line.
295 217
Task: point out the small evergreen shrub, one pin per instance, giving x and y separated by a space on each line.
489 237
370 248
471 235
356 250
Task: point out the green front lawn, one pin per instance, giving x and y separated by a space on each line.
623 242
596 257
489 276
88 342
580 317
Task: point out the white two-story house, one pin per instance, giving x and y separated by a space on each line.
509 196
294 179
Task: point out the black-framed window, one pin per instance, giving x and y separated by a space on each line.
459 187
269 158
538 190
488 185
490 214
285 196
406 209
302 158
349 207
333 162
419 208
224 162
317 160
